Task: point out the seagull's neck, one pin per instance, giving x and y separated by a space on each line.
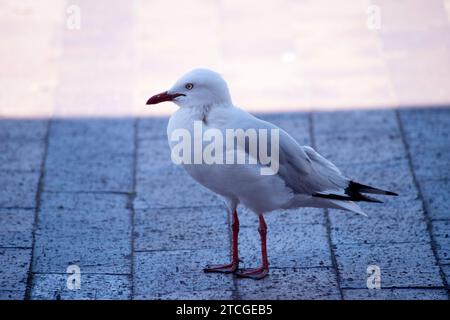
211 116
201 112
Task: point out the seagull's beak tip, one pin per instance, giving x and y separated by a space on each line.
160 97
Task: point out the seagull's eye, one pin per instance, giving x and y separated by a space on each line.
189 86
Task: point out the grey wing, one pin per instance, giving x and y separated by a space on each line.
305 171
301 167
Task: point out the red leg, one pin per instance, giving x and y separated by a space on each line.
233 265
261 272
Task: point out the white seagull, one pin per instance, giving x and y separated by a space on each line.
304 178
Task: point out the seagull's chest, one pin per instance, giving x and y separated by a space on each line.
183 119
190 122
187 134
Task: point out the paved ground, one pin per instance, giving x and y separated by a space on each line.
103 194
86 177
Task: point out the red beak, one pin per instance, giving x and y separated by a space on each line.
164 96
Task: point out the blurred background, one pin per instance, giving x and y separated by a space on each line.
107 57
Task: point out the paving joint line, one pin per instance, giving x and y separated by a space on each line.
39 191
18 208
131 198
334 262
122 193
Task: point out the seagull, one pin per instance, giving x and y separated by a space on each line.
303 177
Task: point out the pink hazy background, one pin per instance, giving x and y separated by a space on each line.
276 55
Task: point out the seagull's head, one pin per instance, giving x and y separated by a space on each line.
197 88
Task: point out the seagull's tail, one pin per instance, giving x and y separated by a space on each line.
347 205
354 192
319 202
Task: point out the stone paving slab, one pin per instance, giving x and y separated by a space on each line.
12 295
446 270
79 149
188 295
289 245
436 194
395 294
401 265
349 149
355 122
22 130
304 283
429 167
92 287
153 128
18 189
23 156
16 228
14 265
441 231
92 231
191 228
153 154
428 140
164 272
169 189
91 176
379 230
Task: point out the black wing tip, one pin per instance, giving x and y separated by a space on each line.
354 197
354 192
361 197
390 193
356 187
374 200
